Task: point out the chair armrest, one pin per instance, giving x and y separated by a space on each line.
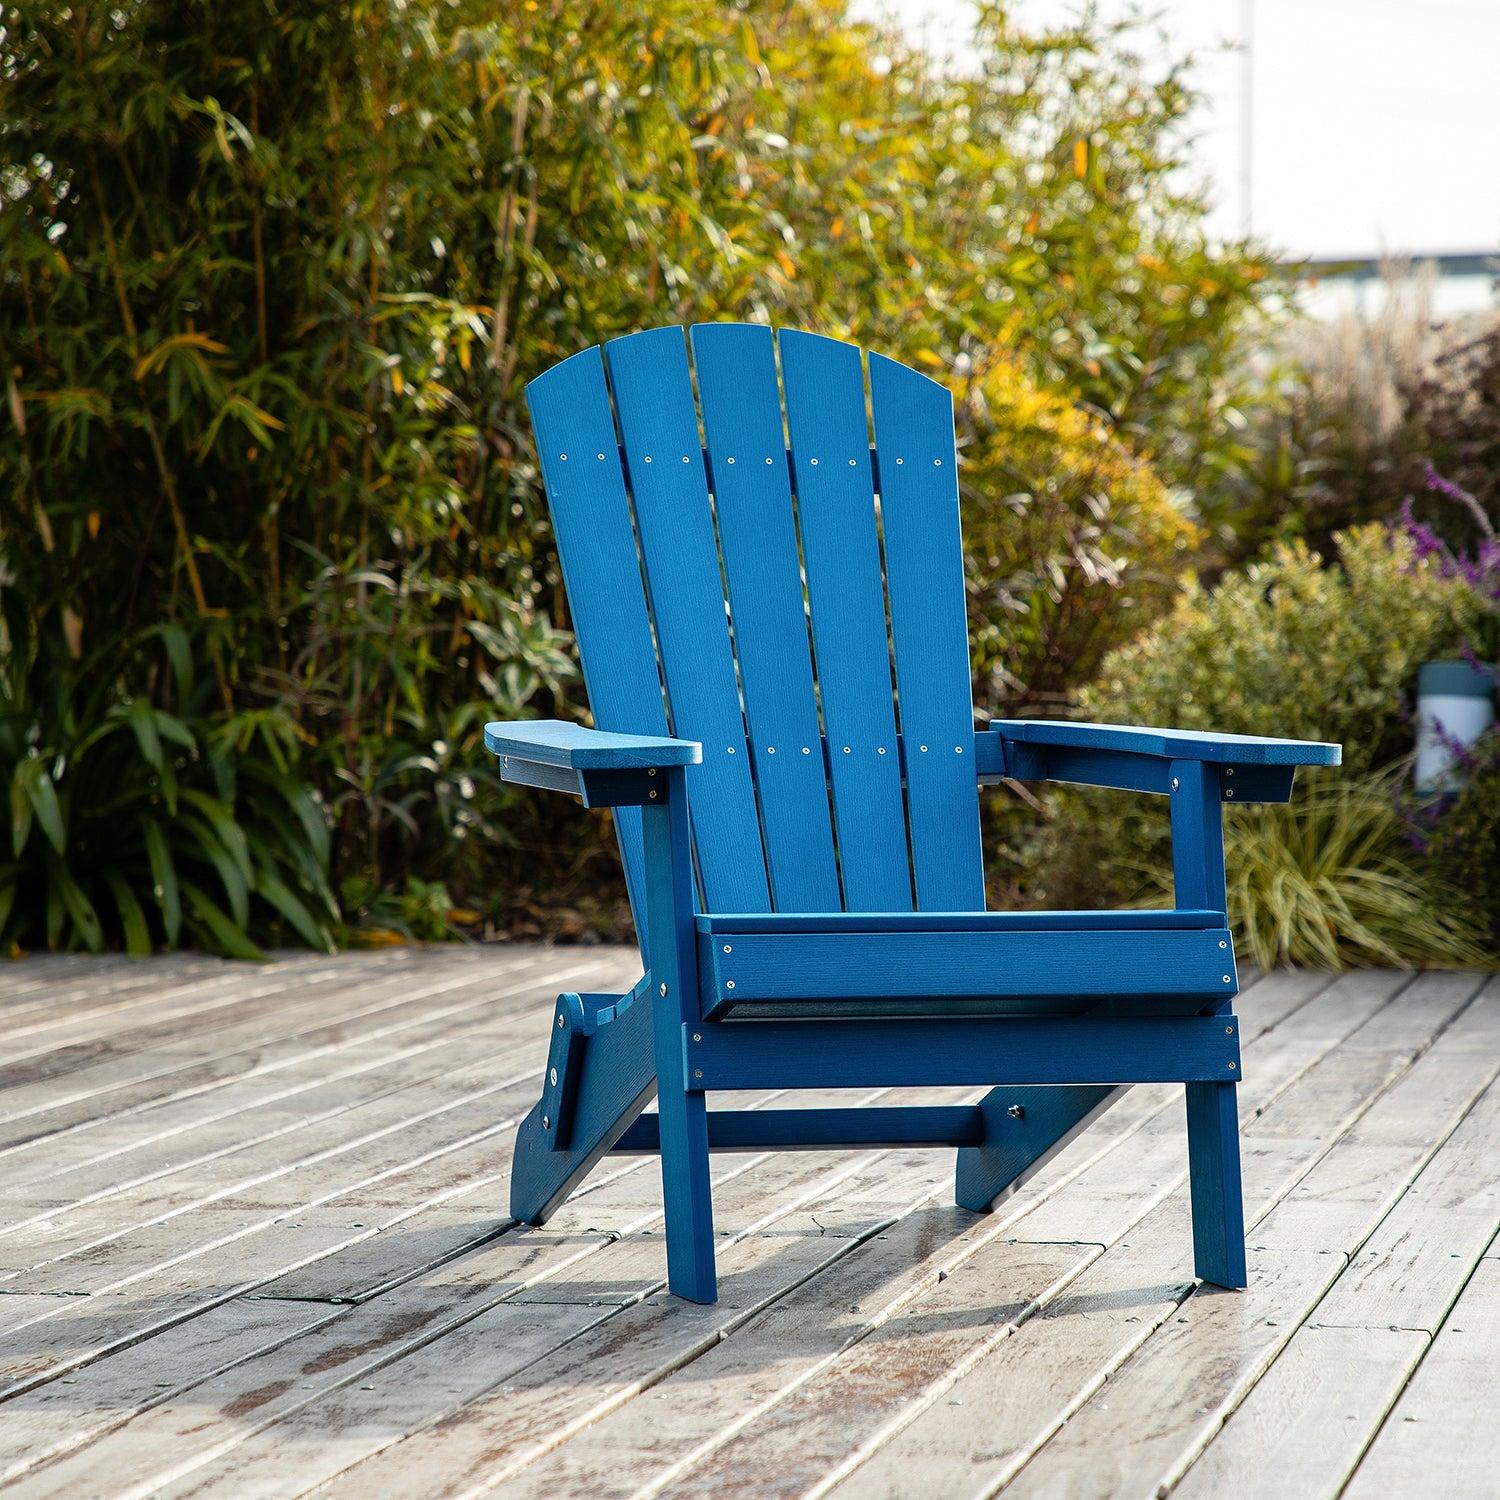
605 769
551 742
1249 768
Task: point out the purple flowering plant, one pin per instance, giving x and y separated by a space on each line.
1439 826
1479 568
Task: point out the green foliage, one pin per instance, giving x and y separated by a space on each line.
1293 648
135 825
1074 542
422 913
1333 879
274 277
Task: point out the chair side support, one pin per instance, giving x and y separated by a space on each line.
671 938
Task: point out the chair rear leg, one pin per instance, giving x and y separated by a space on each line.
1024 1128
1214 1170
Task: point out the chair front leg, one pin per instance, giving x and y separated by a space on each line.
1214 1172
1212 1108
686 1186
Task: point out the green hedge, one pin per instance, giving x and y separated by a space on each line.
275 275
1308 649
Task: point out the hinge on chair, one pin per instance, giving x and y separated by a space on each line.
564 1063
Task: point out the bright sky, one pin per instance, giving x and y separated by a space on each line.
1374 124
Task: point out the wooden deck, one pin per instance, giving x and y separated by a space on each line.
252 1243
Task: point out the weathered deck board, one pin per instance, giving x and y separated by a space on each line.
1442 1437
253 1241
853 1404
1147 1407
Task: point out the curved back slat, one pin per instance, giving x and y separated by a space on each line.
575 439
741 402
693 565
658 421
924 576
830 442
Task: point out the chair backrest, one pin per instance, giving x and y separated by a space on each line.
695 559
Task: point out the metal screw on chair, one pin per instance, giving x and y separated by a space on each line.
697 1036
729 984
546 1122
1016 1111
1229 1031
552 1077
727 948
1226 979
1223 944
1174 783
1230 1066
664 989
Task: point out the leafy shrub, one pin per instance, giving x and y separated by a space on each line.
137 826
1332 879
1073 541
422 913
1293 648
275 275
1289 648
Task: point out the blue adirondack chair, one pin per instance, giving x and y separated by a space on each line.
800 833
